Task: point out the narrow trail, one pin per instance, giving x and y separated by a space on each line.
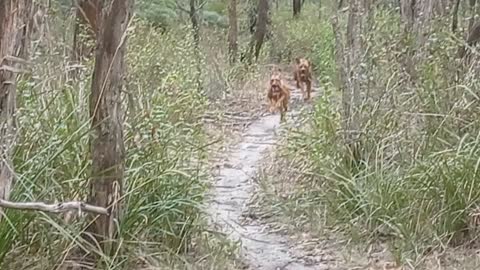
233 187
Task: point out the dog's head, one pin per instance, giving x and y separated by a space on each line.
303 66
276 82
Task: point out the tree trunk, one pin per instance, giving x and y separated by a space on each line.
14 18
472 39
193 13
260 31
320 9
471 18
194 20
409 13
341 78
407 9
455 16
107 146
252 16
232 31
297 7
352 94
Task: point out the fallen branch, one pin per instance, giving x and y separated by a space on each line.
55 208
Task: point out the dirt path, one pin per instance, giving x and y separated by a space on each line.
261 249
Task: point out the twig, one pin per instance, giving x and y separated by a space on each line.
12 69
54 208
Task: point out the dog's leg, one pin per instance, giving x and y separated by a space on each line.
284 110
279 104
270 105
297 79
272 108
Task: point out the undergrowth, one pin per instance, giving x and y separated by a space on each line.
416 187
165 179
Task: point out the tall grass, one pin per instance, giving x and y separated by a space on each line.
165 157
417 186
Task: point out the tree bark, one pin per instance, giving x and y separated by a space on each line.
297 7
14 38
407 9
194 20
232 31
409 13
341 78
319 9
193 13
455 16
355 47
472 39
471 18
252 16
107 145
260 31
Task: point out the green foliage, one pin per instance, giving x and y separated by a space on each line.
165 182
160 13
303 37
165 173
213 18
418 182
218 6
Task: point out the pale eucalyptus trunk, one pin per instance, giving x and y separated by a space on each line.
107 145
232 31
14 41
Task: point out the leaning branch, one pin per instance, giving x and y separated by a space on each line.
54 208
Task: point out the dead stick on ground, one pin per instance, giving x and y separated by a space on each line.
55 208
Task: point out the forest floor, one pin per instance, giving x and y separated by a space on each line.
234 209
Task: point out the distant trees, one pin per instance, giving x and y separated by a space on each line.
260 30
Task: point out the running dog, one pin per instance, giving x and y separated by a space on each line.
278 95
303 74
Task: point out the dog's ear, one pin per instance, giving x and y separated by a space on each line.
297 60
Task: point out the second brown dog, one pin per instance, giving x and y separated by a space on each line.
303 75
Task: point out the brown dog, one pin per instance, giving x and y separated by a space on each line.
303 74
278 95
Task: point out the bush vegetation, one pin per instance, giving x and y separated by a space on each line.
417 184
